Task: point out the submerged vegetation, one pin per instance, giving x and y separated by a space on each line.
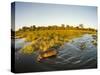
45 38
95 39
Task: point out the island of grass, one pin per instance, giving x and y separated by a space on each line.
43 39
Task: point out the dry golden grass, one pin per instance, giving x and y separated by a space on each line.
44 39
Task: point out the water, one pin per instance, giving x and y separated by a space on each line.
70 56
75 54
20 43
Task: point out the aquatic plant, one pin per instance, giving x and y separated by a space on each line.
29 49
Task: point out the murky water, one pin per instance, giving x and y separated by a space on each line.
77 54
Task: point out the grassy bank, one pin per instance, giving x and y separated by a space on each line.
44 38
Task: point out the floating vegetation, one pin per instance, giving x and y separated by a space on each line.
94 36
94 42
83 46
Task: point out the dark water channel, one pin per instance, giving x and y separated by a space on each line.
70 56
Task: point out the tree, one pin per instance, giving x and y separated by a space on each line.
81 26
62 25
67 26
33 27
